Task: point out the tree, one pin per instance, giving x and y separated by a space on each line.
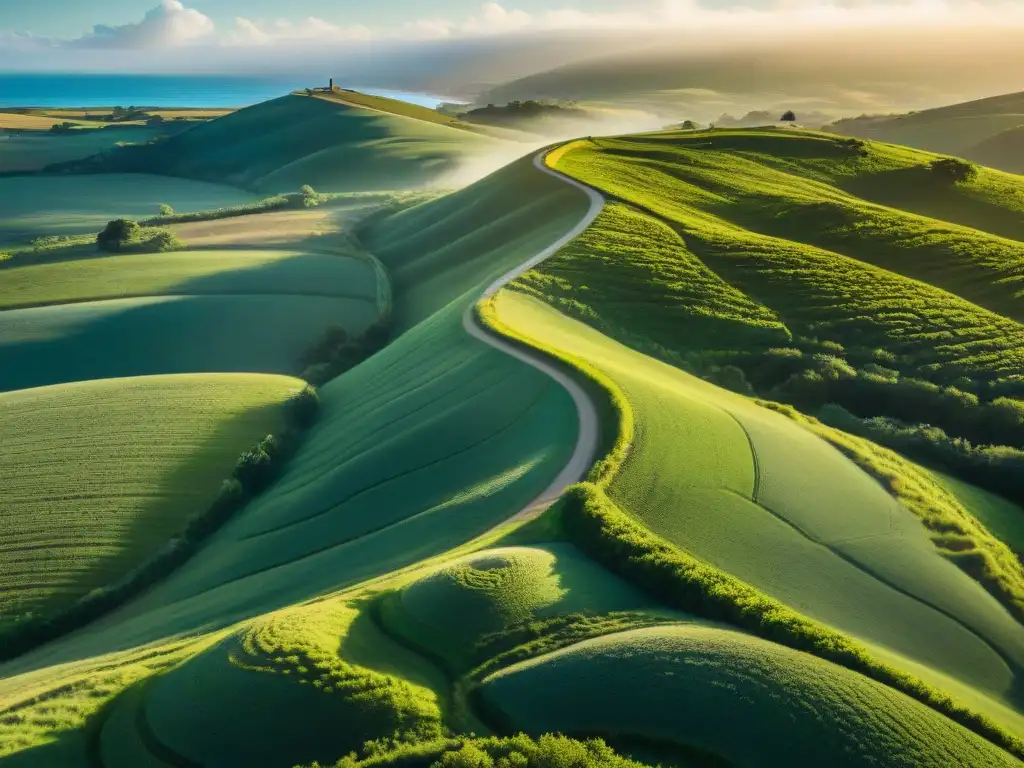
166 210
953 169
116 234
688 125
788 116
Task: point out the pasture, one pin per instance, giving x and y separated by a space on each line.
34 150
187 273
97 476
699 686
40 206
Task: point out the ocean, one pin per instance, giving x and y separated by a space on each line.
76 90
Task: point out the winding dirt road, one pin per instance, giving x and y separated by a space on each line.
584 453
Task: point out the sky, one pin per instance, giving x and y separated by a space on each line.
460 47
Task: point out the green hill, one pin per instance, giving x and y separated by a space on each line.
701 687
981 130
333 145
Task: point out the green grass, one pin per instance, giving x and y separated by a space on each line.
286 690
1001 517
191 273
282 144
39 206
703 687
956 129
452 610
97 476
34 151
176 298
78 342
745 491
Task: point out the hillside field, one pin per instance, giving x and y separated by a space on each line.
41 206
97 476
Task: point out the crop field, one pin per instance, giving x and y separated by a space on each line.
77 342
22 122
744 491
700 686
282 144
97 476
187 273
40 206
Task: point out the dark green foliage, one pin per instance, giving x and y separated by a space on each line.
256 469
64 127
953 170
336 353
602 530
521 111
788 117
127 236
688 125
549 751
117 234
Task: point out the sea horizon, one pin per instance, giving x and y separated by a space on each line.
48 90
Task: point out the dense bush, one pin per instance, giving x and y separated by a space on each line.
953 170
549 751
165 209
127 236
256 469
336 352
603 531
117 234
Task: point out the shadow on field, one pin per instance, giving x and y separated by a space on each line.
223 323
915 190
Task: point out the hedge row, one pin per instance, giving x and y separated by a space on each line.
255 470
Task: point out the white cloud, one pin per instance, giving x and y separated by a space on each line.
169 25
311 29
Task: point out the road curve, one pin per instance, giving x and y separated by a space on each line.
585 452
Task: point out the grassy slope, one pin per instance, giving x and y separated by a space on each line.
282 144
1002 150
705 687
38 206
865 567
186 273
219 296
96 476
454 607
955 129
35 151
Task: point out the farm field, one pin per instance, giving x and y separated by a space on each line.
33 151
252 272
97 476
101 339
41 206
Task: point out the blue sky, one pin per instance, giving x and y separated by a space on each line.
61 18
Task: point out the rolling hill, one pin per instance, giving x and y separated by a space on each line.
744 573
986 131
334 144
